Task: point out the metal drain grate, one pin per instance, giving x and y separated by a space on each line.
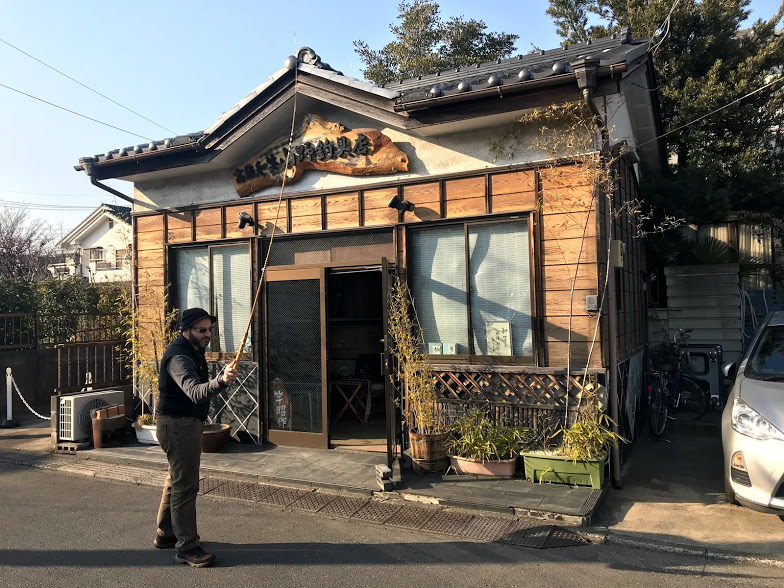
591 503
449 523
532 533
485 528
209 484
284 497
343 506
241 490
526 533
560 537
410 517
376 512
312 501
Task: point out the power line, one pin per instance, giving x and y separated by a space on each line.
34 206
54 195
73 112
696 120
86 86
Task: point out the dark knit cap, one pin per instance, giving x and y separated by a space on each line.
192 315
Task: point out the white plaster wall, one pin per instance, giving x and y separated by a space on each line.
619 122
443 154
113 240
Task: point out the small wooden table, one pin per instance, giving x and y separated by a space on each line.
350 390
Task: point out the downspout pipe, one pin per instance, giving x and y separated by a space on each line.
585 70
87 166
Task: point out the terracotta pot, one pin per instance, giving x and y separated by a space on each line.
214 437
494 468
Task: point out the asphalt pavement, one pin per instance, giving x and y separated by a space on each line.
672 500
69 530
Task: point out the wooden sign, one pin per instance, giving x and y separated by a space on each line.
325 146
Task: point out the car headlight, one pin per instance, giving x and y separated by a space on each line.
747 421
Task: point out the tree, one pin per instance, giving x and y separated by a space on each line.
731 160
27 246
425 44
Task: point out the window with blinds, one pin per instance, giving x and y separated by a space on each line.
471 285
218 279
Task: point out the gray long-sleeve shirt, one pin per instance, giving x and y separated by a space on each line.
183 371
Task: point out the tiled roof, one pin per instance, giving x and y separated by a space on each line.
616 49
121 212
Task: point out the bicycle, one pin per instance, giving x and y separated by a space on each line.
673 393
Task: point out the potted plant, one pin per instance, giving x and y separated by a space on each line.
149 328
580 456
426 432
477 446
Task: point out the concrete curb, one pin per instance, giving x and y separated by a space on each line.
607 536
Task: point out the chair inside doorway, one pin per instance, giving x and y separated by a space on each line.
355 347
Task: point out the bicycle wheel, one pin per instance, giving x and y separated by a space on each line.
657 408
692 401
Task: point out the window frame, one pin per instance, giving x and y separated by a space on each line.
211 353
533 254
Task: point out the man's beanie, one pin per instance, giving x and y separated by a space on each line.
192 315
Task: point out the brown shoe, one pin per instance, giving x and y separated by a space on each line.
162 542
196 557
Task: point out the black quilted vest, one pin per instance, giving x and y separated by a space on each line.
172 400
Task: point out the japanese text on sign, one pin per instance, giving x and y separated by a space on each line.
323 150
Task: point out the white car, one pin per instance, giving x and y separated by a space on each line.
752 424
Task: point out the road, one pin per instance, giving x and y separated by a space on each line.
61 530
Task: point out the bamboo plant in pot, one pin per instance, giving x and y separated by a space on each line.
479 447
426 432
149 328
576 454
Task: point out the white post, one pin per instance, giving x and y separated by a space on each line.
9 422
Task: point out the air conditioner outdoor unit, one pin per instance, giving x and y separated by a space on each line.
75 419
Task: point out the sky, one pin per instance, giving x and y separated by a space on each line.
179 63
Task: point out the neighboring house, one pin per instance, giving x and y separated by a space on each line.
98 248
507 260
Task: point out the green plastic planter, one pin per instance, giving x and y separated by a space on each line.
561 469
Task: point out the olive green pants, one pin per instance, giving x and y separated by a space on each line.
180 438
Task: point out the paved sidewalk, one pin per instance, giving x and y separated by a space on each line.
338 470
673 499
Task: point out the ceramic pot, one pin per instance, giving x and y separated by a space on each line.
493 468
214 437
146 434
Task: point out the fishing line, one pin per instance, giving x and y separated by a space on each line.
236 359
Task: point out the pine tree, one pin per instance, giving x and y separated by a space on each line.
425 44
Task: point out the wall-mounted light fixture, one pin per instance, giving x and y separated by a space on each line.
400 205
245 219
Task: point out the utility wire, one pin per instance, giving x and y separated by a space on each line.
54 195
40 206
696 120
86 86
73 112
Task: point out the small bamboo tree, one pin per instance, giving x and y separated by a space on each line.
412 368
149 328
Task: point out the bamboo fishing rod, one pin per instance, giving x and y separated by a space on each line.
236 359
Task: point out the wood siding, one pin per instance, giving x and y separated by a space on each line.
569 238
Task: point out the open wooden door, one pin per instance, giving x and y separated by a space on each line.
296 354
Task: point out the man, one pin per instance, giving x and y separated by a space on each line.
183 404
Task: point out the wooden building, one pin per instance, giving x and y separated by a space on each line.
506 258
